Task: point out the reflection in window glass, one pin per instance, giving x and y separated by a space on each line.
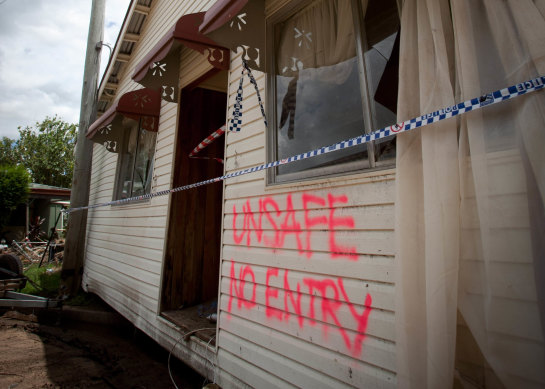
318 86
135 167
143 165
321 107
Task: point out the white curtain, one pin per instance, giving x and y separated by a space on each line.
322 34
470 199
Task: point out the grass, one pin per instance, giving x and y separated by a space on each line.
48 279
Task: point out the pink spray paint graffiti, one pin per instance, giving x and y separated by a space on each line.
285 222
325 312
268 222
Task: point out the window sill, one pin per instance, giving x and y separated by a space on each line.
135 202
377 174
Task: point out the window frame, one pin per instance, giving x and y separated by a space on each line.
130 125
336 169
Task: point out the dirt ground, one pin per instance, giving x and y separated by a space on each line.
48 351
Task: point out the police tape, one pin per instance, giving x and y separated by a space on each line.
207 142
420 121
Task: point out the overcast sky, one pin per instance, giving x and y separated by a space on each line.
42 54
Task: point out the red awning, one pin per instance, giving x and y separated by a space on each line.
238 24
143 105
160 68
220 13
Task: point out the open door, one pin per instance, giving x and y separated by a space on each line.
192 257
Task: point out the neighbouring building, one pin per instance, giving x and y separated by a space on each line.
416 260
43 209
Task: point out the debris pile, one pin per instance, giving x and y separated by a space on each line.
33 252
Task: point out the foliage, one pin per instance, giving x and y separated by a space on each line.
14 190
47 151
8 154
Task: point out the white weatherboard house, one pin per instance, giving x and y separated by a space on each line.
416 260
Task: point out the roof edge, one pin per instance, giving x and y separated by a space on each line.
117 47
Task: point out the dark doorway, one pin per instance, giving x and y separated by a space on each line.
192 257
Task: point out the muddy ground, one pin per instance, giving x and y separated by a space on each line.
50 351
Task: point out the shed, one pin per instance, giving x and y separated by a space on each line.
45 202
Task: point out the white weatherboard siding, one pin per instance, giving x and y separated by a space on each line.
125 244
290 311
298 318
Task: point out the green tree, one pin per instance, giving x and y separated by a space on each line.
8 154
14 190
47 151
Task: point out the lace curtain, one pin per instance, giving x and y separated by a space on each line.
321 34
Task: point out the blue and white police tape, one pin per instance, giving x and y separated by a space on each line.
421 121
235 124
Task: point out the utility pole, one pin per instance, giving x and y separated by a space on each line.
72 266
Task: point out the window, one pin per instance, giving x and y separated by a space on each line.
135 161
334 77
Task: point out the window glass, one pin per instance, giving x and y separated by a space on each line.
381 24
318 86
143 165
135 166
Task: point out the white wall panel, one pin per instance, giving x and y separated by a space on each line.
307 270
125 243
322 315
